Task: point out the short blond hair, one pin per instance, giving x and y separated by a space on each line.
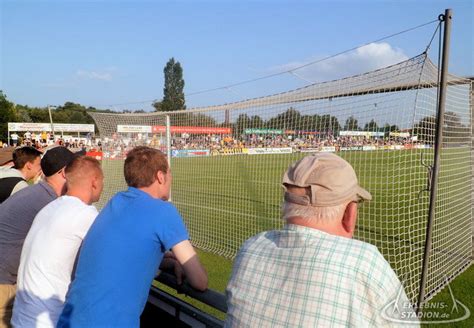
81 168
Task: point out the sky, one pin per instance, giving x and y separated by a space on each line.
111 54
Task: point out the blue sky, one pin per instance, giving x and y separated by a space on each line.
107 53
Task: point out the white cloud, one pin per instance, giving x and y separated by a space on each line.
104 75
370 57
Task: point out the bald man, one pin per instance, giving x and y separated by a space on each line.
51 246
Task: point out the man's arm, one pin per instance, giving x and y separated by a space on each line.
170 263
193 270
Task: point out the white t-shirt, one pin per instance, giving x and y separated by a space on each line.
47 261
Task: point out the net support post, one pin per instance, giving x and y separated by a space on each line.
437 155
471 111
168 143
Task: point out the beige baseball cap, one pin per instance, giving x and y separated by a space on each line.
331 179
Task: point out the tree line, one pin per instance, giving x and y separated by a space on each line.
291 119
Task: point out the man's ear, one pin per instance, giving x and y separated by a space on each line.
160 176
95 182
28 165
349 219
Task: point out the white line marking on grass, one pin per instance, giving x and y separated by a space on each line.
225 211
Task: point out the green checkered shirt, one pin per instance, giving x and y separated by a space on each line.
303 277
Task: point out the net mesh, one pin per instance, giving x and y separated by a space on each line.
228 160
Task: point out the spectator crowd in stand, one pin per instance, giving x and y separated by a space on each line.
118 145
44 139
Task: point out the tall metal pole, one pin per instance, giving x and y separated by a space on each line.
437 150
227 116
51 121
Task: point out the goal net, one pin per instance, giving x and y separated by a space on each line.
228 161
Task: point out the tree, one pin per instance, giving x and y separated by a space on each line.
22 113
39 115
7 114
256 122
351 124
173 95
329 124
192 119
425 129
157 105
71 113
288 120
309 123
387 128
451 119
371 126
453 130
243 122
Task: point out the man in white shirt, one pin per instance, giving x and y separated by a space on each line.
14 138
51 246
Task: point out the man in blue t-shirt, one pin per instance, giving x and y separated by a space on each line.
125 245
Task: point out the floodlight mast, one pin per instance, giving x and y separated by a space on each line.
51 120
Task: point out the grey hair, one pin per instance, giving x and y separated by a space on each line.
312 213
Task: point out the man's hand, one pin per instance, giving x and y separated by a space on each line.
179 272
169 263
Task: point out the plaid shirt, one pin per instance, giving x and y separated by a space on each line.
303 277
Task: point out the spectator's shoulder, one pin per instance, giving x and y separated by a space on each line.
163 206
21 195
256 241
22 184
88 210
9 172
374 270
370 253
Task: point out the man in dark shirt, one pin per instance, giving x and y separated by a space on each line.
26 167
16 216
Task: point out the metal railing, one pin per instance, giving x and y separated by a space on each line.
161 302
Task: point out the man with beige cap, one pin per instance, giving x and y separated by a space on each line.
311 273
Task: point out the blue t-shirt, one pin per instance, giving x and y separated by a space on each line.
119 258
